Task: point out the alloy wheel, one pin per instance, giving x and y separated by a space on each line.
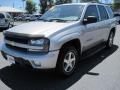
69 61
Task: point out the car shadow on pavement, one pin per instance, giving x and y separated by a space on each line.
27 79
2 29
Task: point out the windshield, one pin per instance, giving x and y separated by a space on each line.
63 13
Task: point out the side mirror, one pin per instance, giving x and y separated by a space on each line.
90 19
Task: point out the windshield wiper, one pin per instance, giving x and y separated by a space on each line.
42 19
55 19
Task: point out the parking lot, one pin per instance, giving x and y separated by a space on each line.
99 72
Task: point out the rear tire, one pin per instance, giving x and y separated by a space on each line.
110 40
67 60
17 64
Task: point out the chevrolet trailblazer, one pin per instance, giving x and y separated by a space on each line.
62 36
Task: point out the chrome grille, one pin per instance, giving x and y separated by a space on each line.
17 39
14 42
19 43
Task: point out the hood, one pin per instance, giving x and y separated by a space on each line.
39 28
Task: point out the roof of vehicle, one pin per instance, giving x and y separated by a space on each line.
88 3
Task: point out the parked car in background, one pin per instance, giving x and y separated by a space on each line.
6 20
35 17
22 18
18 18
27 17
64 35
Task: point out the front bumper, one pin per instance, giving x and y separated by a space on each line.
46 61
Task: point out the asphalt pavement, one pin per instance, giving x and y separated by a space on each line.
99 72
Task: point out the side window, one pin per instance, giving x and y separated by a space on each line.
92 11
103 12
110 12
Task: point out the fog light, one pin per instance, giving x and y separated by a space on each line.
37 63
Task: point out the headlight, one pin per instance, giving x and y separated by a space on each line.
42 44
38 42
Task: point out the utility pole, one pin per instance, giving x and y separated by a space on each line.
23 4
13 4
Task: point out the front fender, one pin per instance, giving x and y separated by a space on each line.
57 43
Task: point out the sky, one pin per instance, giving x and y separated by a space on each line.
15 3
19 4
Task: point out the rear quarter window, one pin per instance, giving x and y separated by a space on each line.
110 11
103 12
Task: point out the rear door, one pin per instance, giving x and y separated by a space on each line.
104 22
112 20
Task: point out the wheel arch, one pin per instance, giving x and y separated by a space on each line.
113 30
74 42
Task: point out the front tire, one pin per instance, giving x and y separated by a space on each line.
67 60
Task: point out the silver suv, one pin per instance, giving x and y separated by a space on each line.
63 36
6 20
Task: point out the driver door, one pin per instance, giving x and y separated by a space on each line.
92 32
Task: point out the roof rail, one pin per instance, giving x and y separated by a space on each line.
95 2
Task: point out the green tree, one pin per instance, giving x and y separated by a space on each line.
43 5
63 1
30 6
116 4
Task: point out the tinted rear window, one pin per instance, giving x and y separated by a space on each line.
103 12
110 12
